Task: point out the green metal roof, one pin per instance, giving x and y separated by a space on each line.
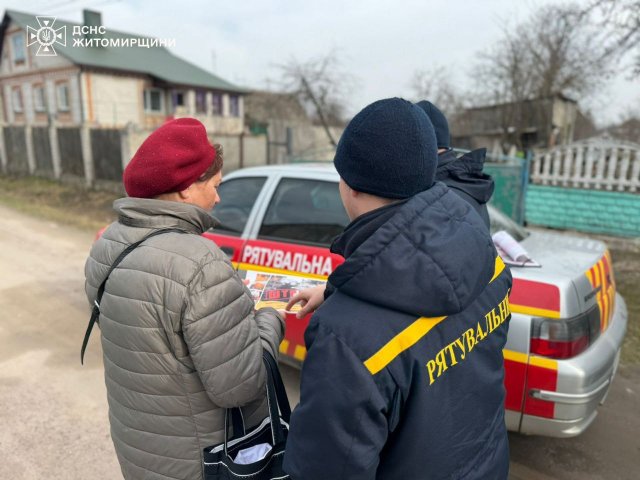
157 62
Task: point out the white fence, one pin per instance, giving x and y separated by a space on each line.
594 164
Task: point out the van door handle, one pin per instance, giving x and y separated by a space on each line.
229 251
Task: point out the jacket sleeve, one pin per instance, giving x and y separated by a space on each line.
271 328
225 337
340 426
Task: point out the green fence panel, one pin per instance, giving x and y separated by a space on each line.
508 195
612 213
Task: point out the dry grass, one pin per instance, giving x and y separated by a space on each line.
626 266
67 204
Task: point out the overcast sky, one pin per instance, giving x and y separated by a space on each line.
381 43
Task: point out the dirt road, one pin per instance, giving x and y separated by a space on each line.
53 412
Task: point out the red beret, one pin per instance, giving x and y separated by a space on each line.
171 159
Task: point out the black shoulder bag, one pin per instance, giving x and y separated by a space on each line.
219 460
95 314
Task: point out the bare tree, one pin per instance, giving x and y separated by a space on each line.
628 128
564 54
618 27
321 86
435 84
554 52
503 79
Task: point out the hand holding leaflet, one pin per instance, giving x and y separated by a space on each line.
290 294
310 299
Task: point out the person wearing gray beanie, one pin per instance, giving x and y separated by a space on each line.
401 363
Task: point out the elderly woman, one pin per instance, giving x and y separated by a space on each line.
180 337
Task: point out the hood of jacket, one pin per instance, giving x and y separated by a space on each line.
465 174
152 213
428 256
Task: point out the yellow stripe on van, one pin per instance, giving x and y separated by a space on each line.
278 271
515 356
543 362
300 353
284 346
534 312
534 360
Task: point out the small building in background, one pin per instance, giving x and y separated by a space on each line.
291 133
536 123
277 115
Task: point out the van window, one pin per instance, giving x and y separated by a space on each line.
237 197
304 211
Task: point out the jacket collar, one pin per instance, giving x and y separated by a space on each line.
362 228
446 157
465 174
151 213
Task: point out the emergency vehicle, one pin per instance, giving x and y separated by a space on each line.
568 322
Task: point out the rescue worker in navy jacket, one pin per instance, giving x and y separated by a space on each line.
463 175
403 377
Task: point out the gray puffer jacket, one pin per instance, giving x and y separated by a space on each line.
180 339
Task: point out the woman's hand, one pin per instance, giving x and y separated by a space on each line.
310 299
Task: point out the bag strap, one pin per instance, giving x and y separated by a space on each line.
277 435
277 400
237 422
278 383
95 313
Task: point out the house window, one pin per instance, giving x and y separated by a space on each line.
153 100
234 105
201 102
62 97
178 99
216 104
16 100
39 99
19 52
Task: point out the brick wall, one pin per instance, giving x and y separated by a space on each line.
613 213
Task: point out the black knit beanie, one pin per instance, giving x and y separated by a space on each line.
439 122
388 150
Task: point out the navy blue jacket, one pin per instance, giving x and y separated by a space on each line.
403 377
465 177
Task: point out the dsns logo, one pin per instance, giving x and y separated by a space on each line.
47 36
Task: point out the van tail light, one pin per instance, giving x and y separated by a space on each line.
565 338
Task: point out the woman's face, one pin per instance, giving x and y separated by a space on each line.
205 194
